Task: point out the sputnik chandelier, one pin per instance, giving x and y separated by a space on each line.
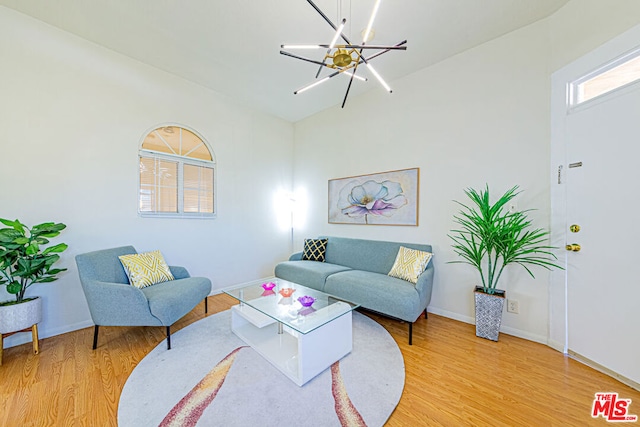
344 58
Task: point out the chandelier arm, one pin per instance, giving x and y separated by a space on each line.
355 69
362 60
369 46
322 64
353 74
384 51
330 76
333 43
343 46
347 92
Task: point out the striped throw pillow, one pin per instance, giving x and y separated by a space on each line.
409 264
146 269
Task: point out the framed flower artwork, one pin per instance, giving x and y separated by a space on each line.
385 198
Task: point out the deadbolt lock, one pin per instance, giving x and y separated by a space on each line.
574 247
574 228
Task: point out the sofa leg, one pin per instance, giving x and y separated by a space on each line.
168 337
206 305
425 313
95 337
410 333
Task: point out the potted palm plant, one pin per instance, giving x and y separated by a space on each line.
23 263
490 237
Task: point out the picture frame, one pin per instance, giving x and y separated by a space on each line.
383 198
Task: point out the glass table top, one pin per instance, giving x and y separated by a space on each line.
278 306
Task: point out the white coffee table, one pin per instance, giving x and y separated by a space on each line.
301 342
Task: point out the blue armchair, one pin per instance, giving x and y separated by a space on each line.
114 302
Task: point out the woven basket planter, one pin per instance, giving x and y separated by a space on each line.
489 313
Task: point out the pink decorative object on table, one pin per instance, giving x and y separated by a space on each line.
268 286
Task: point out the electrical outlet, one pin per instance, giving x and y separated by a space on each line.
513 306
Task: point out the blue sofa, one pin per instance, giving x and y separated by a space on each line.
114 302
356 270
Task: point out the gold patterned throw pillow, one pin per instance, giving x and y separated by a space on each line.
314 249
146 269
410 263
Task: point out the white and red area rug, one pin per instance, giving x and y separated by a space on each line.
210 378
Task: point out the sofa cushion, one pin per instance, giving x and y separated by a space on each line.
378 292
409 264
369 255
146 269
307 273
314 249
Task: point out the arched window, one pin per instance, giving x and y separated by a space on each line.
177 174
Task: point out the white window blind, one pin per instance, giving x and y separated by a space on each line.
177 174
198 189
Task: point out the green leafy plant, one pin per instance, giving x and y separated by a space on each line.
23 261
491 237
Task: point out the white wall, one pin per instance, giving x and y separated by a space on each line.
72 116
479 117
582 25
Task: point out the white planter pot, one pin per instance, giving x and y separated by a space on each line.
489 313
20 316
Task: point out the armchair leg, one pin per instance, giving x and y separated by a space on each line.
410 333
206 305
425 313
95 337
168 337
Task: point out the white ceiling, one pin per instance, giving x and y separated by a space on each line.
232 46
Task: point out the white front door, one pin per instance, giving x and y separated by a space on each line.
601 179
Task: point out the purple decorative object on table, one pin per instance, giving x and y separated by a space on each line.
306 300
268 286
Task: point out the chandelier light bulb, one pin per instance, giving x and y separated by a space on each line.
380 79
338 32
300 46
367 32
314 84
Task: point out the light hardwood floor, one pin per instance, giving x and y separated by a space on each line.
453 378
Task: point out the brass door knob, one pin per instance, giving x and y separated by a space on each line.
574 247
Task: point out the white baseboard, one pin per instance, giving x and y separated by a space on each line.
23 338
451 315
556 345
598 367
503 329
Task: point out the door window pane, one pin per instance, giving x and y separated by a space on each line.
612 76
